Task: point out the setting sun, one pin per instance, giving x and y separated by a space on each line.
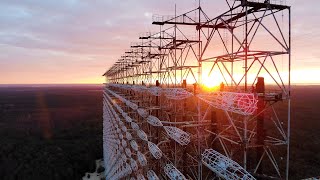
183 89
210 83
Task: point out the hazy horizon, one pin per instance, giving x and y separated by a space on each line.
96 84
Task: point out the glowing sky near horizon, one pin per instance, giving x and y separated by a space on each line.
75 41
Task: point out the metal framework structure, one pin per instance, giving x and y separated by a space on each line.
156 126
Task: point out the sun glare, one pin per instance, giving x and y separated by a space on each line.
210 83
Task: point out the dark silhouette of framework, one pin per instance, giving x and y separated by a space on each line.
147 95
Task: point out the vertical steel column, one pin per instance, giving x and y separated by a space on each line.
260 88
246 47
289 101
214 125
157 129
199 103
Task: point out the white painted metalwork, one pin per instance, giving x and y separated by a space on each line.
131 105
241 103
128 152
128 119
154 121
124 129
224 166
128 136
135 111
154 150
151 175
178 135
173 173
156 91
142 135
176 93
135 126
121 124
124 143
141 158
118 130
133 164
143 112
134 145
139 88
140 177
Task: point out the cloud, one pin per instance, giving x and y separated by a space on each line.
84 38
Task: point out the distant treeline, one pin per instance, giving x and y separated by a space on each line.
49 132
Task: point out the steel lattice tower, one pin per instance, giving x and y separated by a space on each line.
161 122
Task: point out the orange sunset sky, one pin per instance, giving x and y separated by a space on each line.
73 41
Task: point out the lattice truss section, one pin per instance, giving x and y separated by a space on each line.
241 103
121 150
125 159
173 173
126 143
175 133
160 122
224 166
170 93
